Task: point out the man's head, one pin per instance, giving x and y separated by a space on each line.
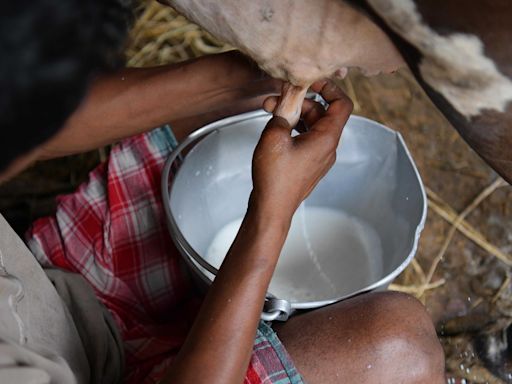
50 50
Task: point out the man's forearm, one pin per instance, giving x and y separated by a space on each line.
219 345
135 100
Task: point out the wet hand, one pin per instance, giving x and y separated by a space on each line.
285 168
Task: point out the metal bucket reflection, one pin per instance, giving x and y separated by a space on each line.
374 179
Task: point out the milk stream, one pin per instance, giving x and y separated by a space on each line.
312 254
327 254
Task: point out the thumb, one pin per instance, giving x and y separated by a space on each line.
278 124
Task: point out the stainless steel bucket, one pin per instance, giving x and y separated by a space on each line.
374 179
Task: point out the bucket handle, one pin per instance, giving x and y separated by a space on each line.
276 309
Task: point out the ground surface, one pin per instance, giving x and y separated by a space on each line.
469 294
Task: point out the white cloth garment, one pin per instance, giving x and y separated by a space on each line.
52 327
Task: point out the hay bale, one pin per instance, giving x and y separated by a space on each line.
162 36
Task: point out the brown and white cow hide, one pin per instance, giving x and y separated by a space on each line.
461 53
459 50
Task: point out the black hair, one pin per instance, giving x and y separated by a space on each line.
49 51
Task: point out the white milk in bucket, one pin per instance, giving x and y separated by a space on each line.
327 254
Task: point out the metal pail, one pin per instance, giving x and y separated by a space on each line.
373 180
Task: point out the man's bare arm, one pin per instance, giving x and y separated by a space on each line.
135 100
285 170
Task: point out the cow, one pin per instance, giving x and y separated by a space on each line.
459 52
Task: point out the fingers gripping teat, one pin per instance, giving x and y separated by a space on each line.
289 103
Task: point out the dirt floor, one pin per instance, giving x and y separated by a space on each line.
462 270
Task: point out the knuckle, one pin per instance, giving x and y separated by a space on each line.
343 106
330 142
334 144
349 104
332 159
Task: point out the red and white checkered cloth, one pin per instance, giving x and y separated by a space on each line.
112 231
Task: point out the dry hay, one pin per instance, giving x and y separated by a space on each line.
458 223
162 36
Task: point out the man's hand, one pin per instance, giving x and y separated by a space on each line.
286 168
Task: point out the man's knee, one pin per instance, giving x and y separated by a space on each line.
405 337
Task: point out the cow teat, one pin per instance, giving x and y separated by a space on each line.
289 103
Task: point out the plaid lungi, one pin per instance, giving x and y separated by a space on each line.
112 231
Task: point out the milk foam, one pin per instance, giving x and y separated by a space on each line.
327 254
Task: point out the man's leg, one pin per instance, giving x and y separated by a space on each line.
383 337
